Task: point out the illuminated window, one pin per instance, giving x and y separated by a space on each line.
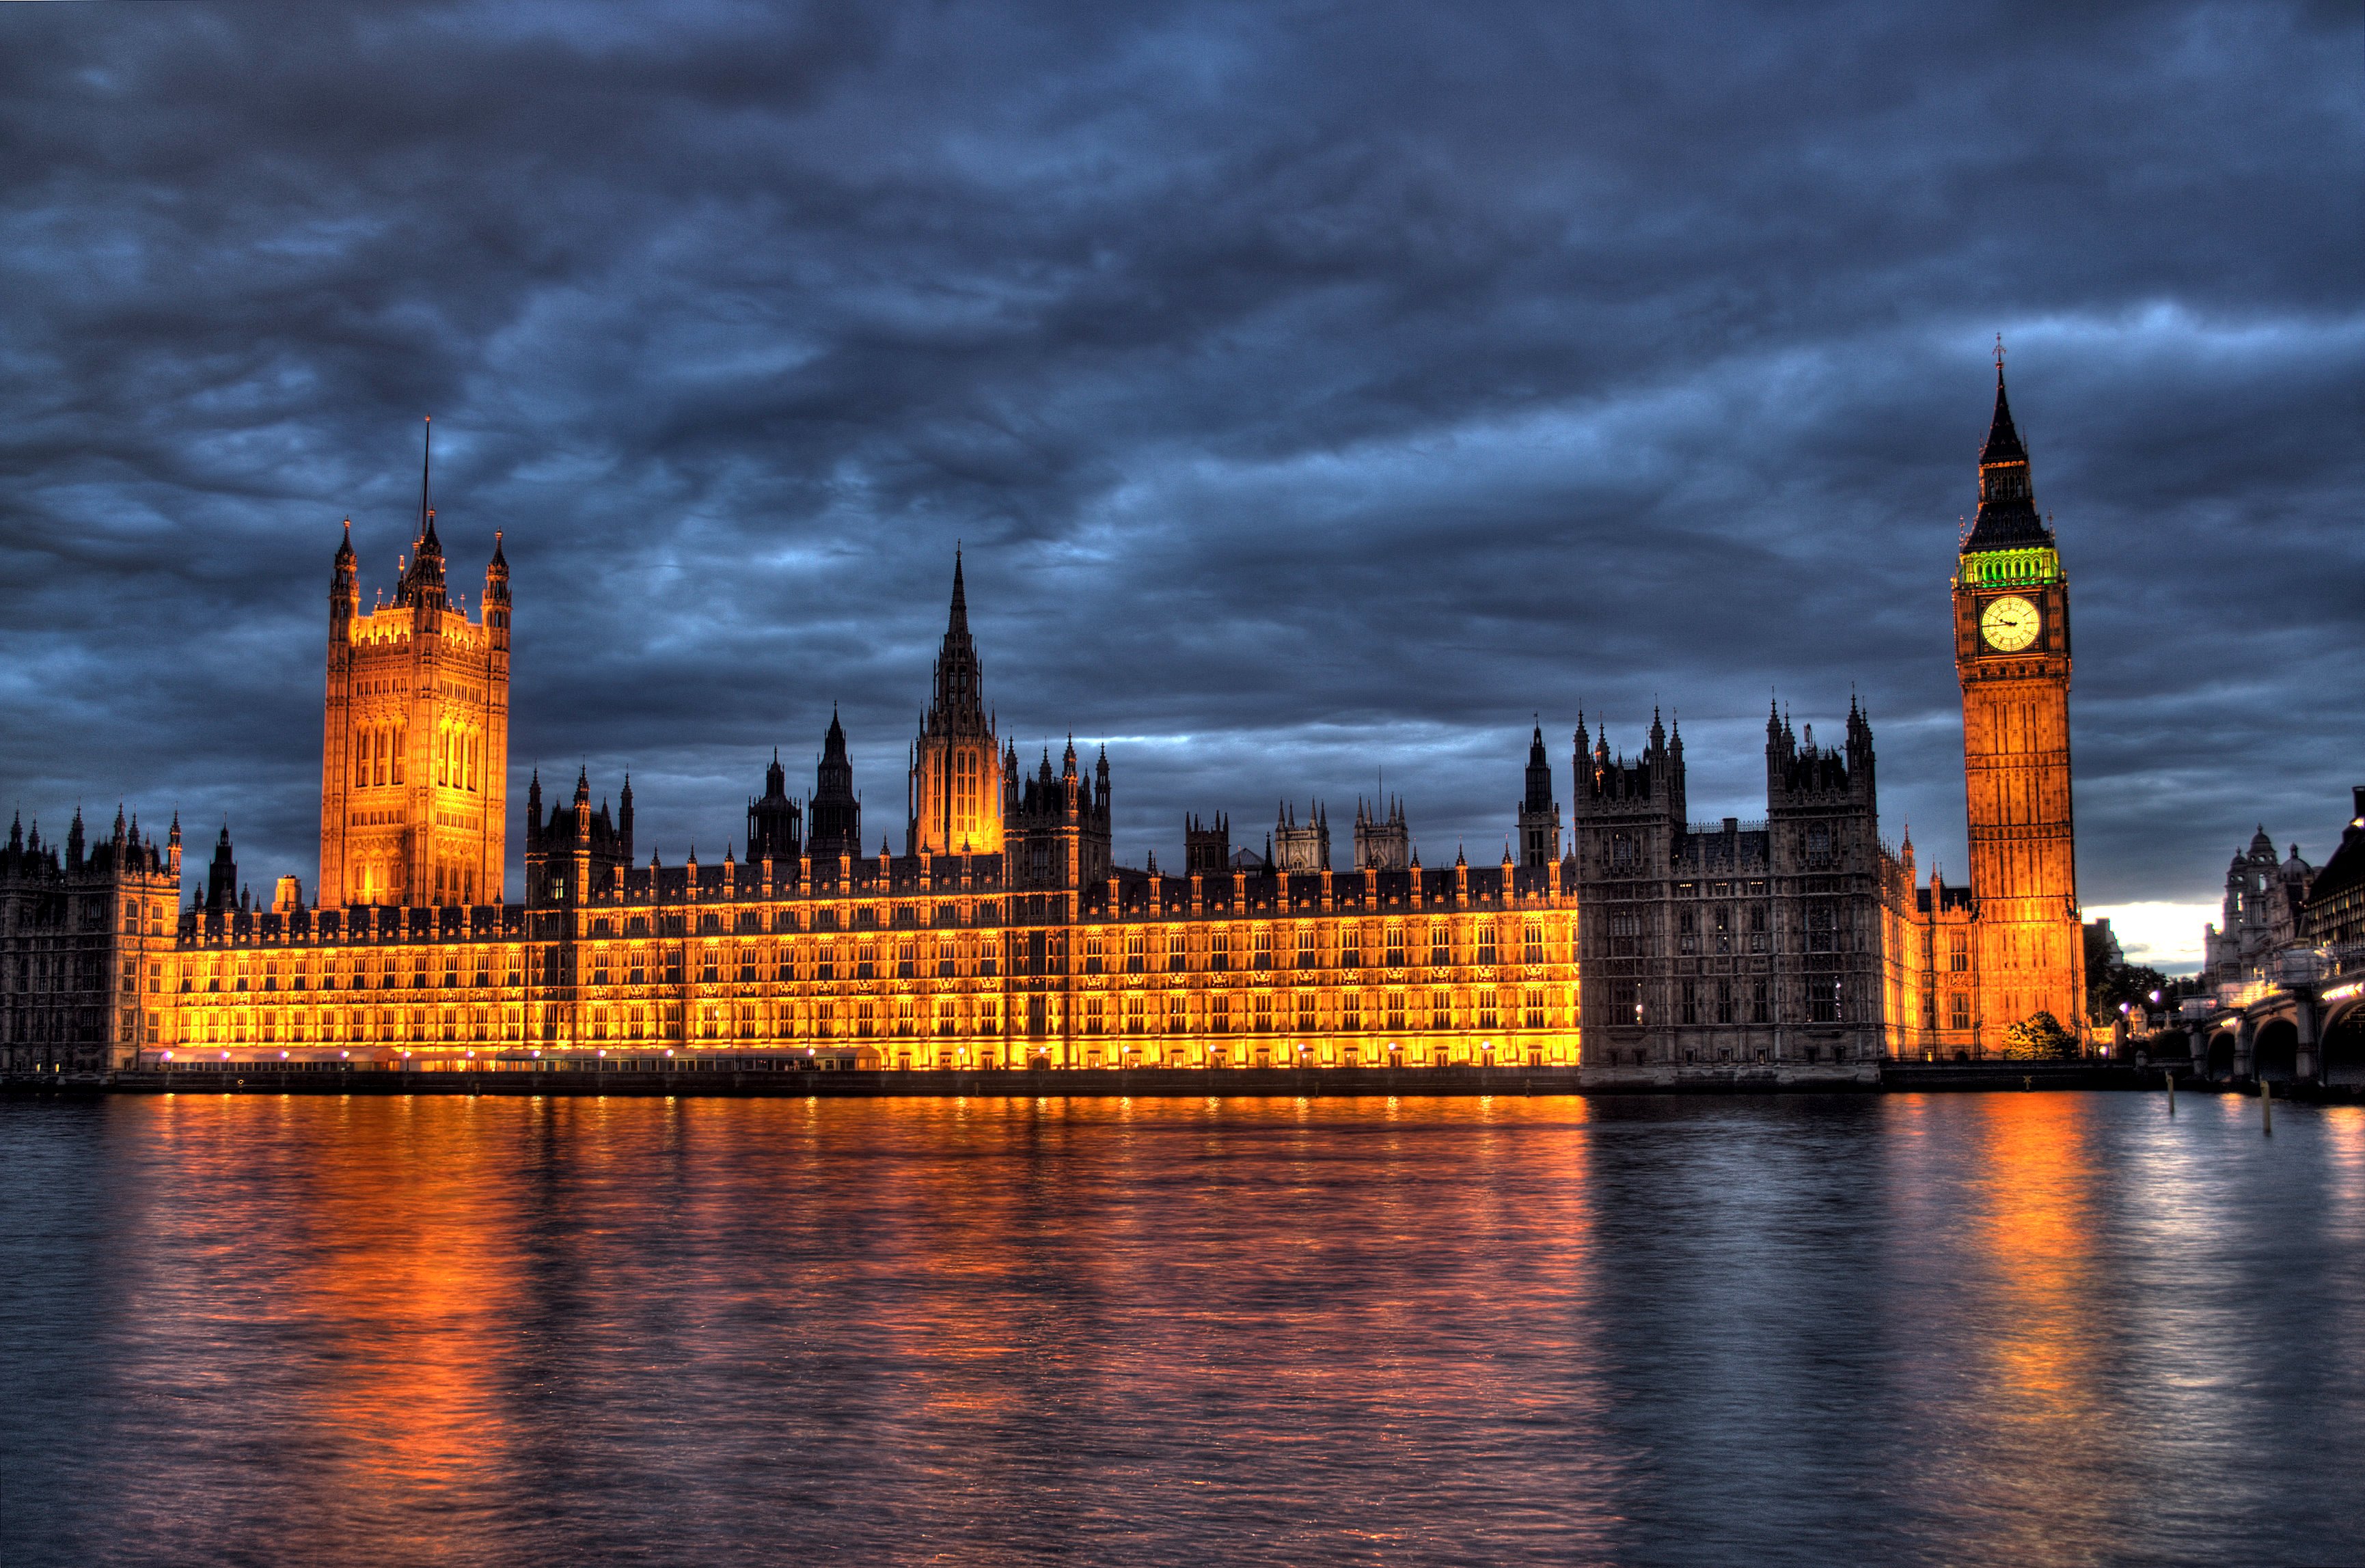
1309 955
1396 948
1486 942
1959 1011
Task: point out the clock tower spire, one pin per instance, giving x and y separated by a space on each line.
2011 653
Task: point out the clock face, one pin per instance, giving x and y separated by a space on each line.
2009 623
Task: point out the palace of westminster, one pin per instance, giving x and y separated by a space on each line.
1627 940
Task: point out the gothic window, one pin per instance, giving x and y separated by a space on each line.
1819 845
1625 935
1688 1003
1534 942
1177 953
1621 852
1486 942
1535 1010
1219 951
1958 950
1309 956
1958 1012
1306 1012
1264 946
1486 1013
709 965
1093 954
1395 946
1136 947
1135 1007
1350 945
1724 1002
1686 933
1264 1013
1824 995
1441 943
1440 1009
1822 919
1724 928
1396 1010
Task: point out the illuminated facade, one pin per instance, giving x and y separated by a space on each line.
414 753
1039 951
2011 653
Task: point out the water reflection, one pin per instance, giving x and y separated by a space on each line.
2008 1328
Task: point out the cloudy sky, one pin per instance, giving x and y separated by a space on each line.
1319 392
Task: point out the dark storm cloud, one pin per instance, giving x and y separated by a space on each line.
1317 391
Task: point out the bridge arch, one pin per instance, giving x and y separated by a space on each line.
2219 1063
2342 1051
2274 1051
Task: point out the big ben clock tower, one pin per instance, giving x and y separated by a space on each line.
2011 652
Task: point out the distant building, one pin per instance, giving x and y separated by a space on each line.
2261 910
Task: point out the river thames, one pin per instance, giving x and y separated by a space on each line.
1975 1328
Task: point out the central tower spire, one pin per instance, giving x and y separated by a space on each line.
954 804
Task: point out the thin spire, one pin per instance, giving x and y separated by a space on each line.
426 495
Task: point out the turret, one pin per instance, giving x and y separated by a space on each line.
344 586
496 593
221 877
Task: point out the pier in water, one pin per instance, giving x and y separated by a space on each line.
1982 1329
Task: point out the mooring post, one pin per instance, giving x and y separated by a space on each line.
2267 1106
2170 1075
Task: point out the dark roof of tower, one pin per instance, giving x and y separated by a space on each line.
2003 436
957 625
2007 518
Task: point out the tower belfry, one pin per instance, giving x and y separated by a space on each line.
2011 653
414 757
955 795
